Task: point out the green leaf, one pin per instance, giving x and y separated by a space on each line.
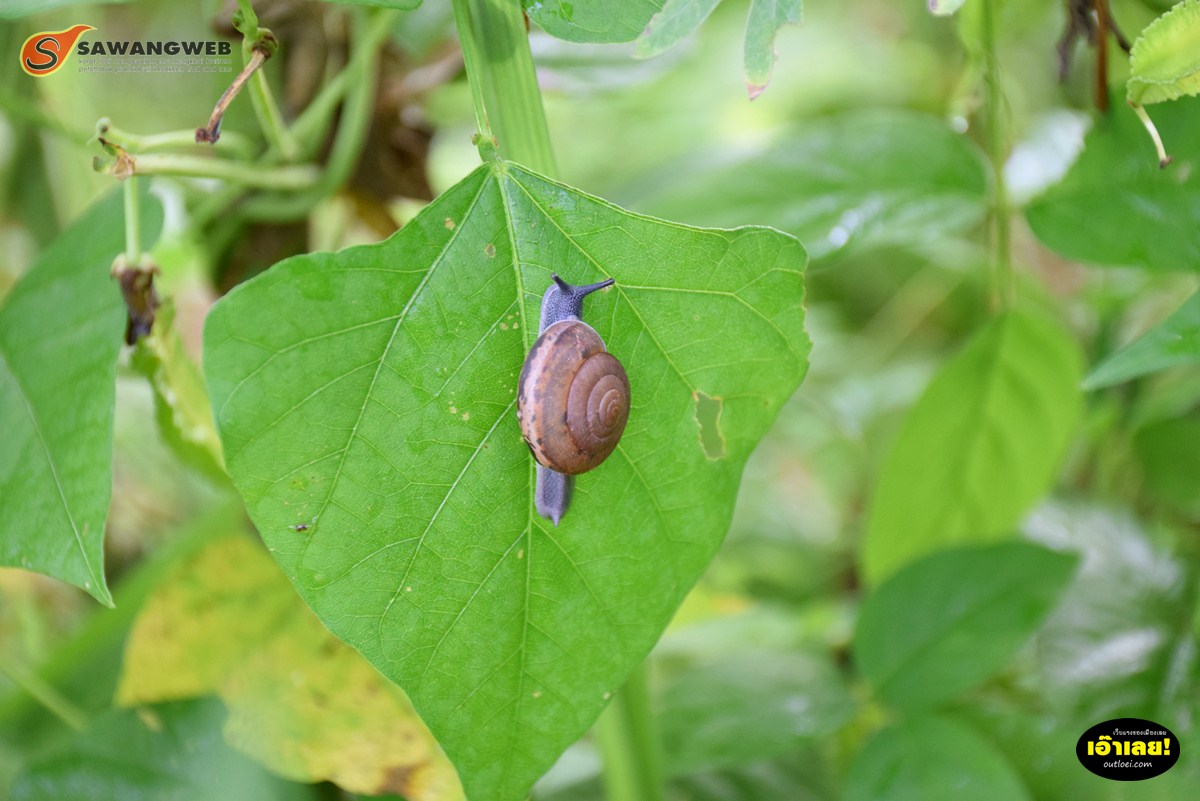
15 9
980 446
1173 342
764 21
1165 61
932 759
61 330
370 397
943 625
922 182
1169 454
1116 206
172 752
593 21
208 629
751 706
401 5
180 399
944 8
670 26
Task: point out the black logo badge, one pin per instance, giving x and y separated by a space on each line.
1128 749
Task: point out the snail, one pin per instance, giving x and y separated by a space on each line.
572 397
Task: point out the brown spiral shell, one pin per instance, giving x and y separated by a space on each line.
572 398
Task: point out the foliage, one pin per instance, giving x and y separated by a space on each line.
922 575
433 346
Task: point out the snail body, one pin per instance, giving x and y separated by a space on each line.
572 397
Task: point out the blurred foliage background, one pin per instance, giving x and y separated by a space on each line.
757 692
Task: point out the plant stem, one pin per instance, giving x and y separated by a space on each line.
133 239
270 118
1163 158
231 141
265 107
504 89
352 128
42 692
472 61
309 128
212 132
629 742
1000 223
295 176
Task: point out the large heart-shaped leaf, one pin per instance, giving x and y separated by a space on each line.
366 402
60 334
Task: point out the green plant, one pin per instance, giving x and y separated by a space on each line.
927 535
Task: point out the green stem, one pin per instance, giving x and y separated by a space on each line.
269 117
472 61
1163 158
629 742
351 134
266 110
231 141
43 693
309 129
133 239
296 176
504 88
997 144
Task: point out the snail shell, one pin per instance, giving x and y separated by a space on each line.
572 399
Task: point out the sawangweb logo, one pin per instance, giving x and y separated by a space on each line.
45 52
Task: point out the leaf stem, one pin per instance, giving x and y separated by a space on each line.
106 132
133 239
472 63
212 131
1000 223
352 129
1144 116
309 127
628 737
45 694
260 40
294 176
503 81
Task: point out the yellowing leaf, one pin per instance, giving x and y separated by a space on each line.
300 702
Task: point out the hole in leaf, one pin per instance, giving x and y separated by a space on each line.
708 417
